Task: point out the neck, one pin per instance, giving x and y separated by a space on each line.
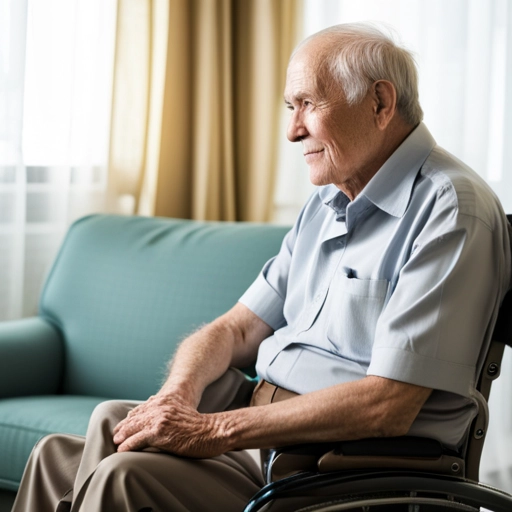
385 145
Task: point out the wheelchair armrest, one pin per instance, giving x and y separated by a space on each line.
402 453
290 460
32 357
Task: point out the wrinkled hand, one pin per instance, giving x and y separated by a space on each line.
171 425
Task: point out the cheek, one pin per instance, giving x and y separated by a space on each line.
338 144
337 135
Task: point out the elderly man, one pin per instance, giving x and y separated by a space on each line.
370 321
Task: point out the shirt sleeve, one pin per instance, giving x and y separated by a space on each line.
264 300
266 296
439 318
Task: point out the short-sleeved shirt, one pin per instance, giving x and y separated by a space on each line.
403 282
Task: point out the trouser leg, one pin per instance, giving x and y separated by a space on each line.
159 482
99 438
101 475
231 391
50 473
108 480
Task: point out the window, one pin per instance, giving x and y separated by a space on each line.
56 62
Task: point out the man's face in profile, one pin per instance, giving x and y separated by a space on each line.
336 137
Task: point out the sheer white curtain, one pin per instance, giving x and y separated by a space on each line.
55 87
464 53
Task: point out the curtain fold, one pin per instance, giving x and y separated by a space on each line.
212 139
130 102
197 90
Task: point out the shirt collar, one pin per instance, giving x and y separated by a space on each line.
391 187
334 198
401 168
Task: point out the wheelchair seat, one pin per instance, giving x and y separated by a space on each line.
405 473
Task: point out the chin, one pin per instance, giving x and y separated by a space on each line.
319 178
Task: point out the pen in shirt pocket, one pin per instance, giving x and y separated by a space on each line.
350 273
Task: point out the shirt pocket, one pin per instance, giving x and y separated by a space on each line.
354 306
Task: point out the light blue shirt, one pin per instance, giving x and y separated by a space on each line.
403 282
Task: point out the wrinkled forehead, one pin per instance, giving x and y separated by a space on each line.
309 55
307 70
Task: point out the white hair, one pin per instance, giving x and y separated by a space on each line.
359 54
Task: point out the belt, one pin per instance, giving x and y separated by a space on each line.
265 393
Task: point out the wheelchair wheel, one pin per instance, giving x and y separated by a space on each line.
391 502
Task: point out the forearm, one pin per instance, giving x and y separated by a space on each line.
170 420
231 340
371 407
199 360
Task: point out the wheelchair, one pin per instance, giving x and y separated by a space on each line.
393 474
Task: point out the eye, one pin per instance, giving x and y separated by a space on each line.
307 103
288 105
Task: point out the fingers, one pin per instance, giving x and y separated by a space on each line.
119 426
131 414
127 424
119 436
172 427
136 419
138 441
128 427
144 418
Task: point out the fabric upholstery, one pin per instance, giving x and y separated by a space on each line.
125 290
31 356
25 420
122 293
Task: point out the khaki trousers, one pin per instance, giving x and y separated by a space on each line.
73 473
68 473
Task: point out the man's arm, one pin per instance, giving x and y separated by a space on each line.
371 407
230 340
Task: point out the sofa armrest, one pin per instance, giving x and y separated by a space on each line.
31 358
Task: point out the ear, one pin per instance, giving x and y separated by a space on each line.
384 102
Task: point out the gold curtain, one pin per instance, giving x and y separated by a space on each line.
196 99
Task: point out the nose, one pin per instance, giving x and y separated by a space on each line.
296 128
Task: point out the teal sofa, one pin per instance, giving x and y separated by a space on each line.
122 293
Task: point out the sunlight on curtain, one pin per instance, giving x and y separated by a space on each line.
55 87
464 55
203 79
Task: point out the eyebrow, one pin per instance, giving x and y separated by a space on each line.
297 96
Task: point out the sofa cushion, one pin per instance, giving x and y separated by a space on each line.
26 420
124 291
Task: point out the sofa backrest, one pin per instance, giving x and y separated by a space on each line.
124 291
